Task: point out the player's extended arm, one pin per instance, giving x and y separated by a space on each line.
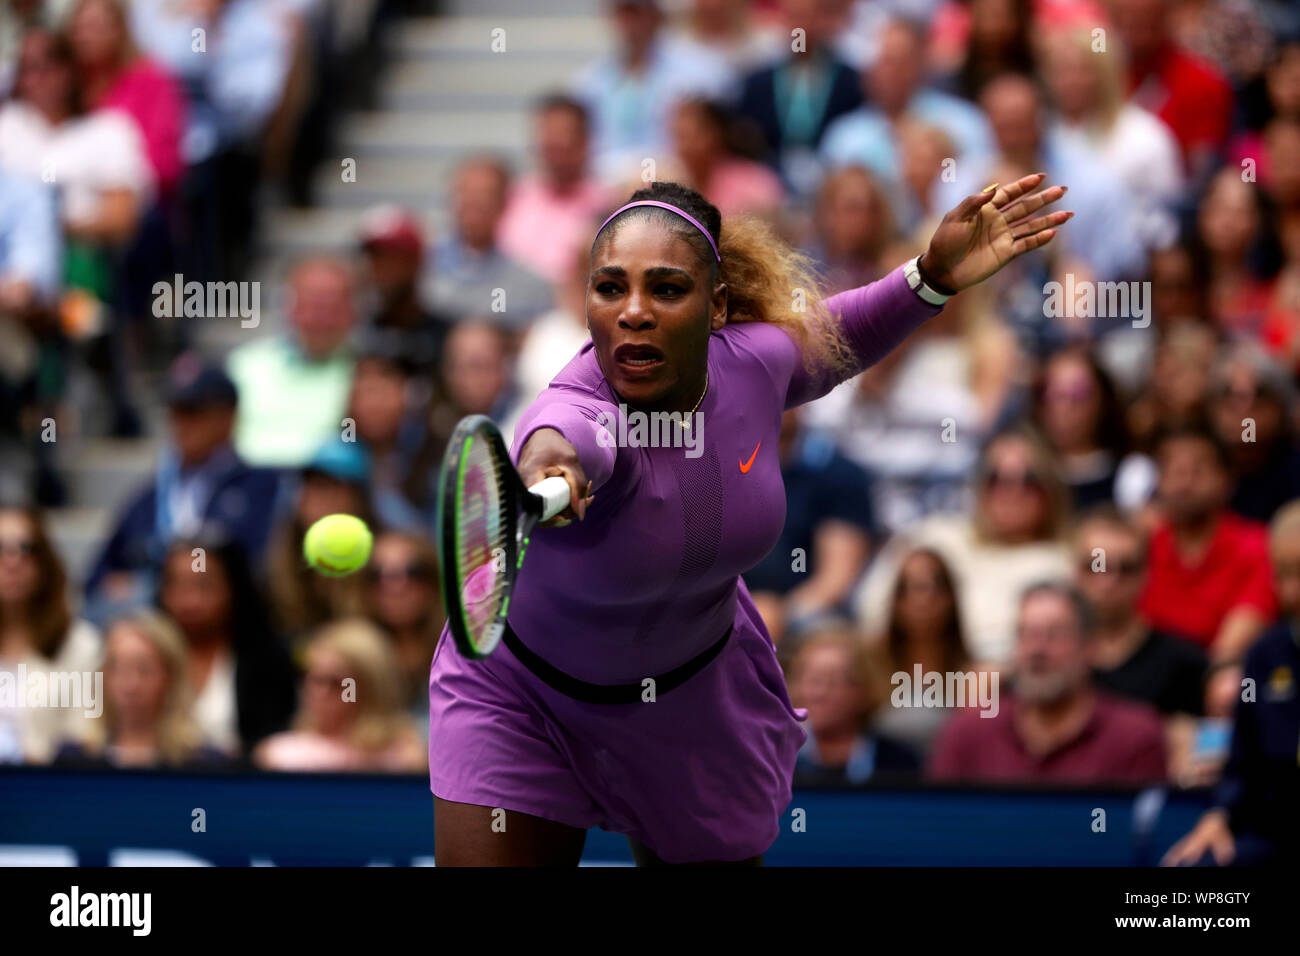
976 239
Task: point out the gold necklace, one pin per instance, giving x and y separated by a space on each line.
686 419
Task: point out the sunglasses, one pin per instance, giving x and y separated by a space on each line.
24 546
414 571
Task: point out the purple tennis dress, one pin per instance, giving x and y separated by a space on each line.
648 581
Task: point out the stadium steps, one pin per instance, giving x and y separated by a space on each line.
445 94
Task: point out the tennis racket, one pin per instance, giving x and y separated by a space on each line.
485 515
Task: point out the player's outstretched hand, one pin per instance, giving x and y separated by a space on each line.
548 453
988 230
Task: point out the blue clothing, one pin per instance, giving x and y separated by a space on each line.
872 755
230 499
1260 787
630 113
30 243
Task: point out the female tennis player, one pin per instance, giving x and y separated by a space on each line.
636 687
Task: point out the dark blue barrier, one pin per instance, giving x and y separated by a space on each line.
91 818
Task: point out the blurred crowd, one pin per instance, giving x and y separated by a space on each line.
1077 499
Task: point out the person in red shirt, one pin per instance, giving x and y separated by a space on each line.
1189 94
1210 577
1056 727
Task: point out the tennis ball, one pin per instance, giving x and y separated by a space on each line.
337 545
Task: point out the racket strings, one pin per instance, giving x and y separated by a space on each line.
481 547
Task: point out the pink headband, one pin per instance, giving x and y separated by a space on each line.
663 205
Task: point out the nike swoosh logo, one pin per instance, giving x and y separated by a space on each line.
746 465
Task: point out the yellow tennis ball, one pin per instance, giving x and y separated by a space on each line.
337 545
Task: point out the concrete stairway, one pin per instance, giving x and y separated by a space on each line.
446 94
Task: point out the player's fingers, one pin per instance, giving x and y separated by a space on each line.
1030 243
1224 849
1015 211
1030 226
1009 192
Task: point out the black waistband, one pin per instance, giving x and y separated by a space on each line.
609 693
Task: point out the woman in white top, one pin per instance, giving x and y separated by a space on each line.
1132 144
39 632
1011 538
96 160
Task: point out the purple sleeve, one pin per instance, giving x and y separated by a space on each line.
873 319
580 423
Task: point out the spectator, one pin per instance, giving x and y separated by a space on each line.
855 225
115 75
1187 93
548 216
1237 253
351 716
1281 101
1103 240
826 539
727 30
39 632
238 667
953 374
389 422
200 485
1253 820
31 259
1209 576
1130 658
1077 407
831 676
925 631
1178 384
470 273
147 700
395 316
1055 727
791 103
475 381
1252 406
293 387
998 42
894 88
711 164
1088 91
628 93
1014 537
1198 746
334 481
402 597
105 184
233 89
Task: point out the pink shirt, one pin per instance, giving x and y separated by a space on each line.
739 186
153 99
544 230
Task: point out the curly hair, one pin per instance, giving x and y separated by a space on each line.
767 280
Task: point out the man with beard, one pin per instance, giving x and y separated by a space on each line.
1209 576
1055 727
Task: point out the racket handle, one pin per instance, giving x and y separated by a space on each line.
554 492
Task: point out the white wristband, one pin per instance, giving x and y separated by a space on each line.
917 284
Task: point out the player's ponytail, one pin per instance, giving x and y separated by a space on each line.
767 280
